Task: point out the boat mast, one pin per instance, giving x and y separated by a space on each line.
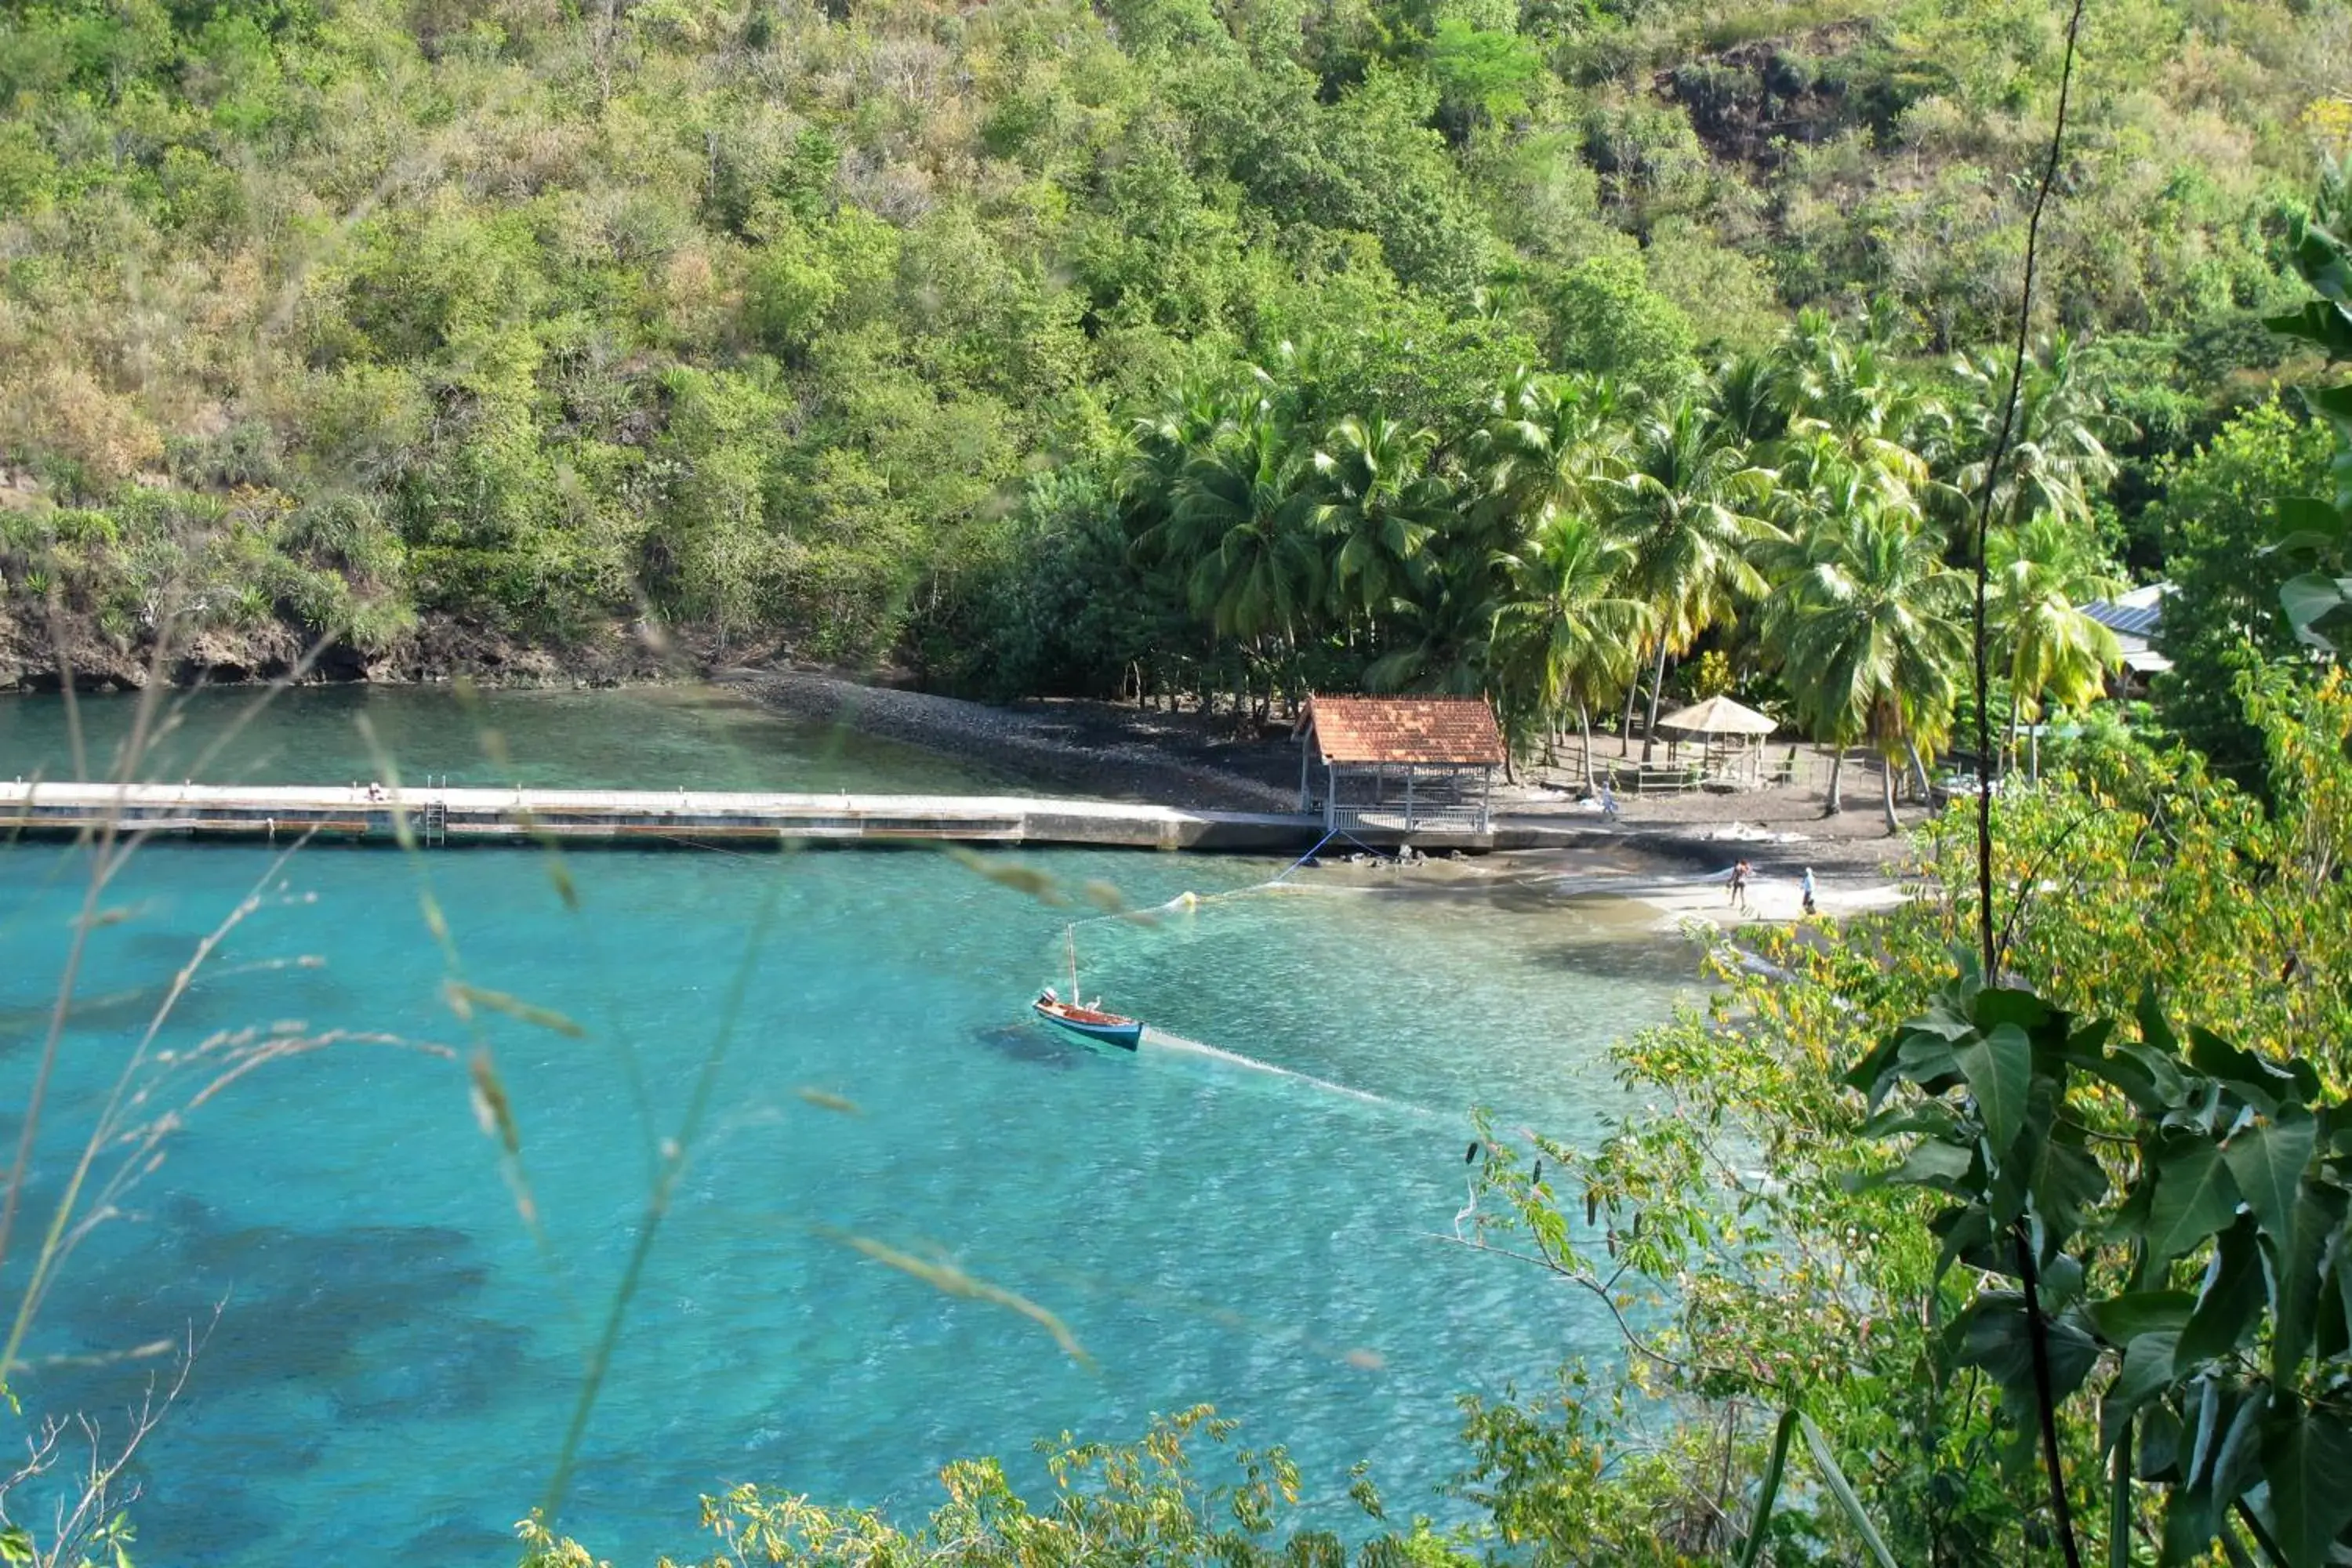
1070 934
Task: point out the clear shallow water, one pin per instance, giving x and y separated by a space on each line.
392 1373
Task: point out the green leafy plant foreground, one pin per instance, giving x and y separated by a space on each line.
2168 1219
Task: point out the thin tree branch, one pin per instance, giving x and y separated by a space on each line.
2037 1331
1989 943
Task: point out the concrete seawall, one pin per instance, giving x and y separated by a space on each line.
452 816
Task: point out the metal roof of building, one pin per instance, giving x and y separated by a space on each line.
2138 613
1458 731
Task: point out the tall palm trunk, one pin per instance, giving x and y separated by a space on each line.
1837 782
1886 789
1625 726
1919 772
1657 684
1584 722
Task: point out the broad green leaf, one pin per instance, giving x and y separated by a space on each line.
2310 598
2267 1161
2261 1080
2147 1368
2189 1521
2232 1467
1933 1162
2159 1458
2306 522
2333 1326
2066 1183
2229 1307
2195 1197
1999 1005
2148 1371
2307 1459
2305 1308
1927 1061
1999 1065
2153 1030
1996 1334
2318 323
2122 1319
1869 1073
1946 1017
1930 1116
2334 404
1964 1229
2129 1075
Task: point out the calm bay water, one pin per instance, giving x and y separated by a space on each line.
1240 1213
636 737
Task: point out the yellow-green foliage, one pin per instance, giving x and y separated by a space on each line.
1135 1502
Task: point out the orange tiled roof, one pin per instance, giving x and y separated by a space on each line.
1439 730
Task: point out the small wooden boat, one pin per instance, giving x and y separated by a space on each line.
1087 1023
1108 1029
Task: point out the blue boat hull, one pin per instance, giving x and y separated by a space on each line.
1127 1034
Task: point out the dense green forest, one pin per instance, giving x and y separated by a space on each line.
899 334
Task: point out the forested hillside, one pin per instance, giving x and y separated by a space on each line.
832 325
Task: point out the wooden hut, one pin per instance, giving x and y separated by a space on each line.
1398 764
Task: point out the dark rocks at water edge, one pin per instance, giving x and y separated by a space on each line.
39 657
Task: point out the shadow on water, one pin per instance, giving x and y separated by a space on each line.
459 1541
372 1317
1032 1043
120 1018
1667 960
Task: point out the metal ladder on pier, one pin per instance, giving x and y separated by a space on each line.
432 816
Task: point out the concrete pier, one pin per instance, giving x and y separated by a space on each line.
438 817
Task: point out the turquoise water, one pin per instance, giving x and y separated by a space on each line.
664 737
1240 1213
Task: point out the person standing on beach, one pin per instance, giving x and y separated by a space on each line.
1740 885
1806 888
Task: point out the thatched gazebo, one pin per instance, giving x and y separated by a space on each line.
1400 765
1732 736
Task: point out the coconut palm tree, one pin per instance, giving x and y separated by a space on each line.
1381 508
1570 636
1441 639
2041 571
1873 632
1239 525
1688 507
1160 444
1548 443
1748 392
2058 457
1843 400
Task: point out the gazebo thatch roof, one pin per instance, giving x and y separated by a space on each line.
1718 716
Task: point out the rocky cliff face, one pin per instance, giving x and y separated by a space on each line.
42 654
